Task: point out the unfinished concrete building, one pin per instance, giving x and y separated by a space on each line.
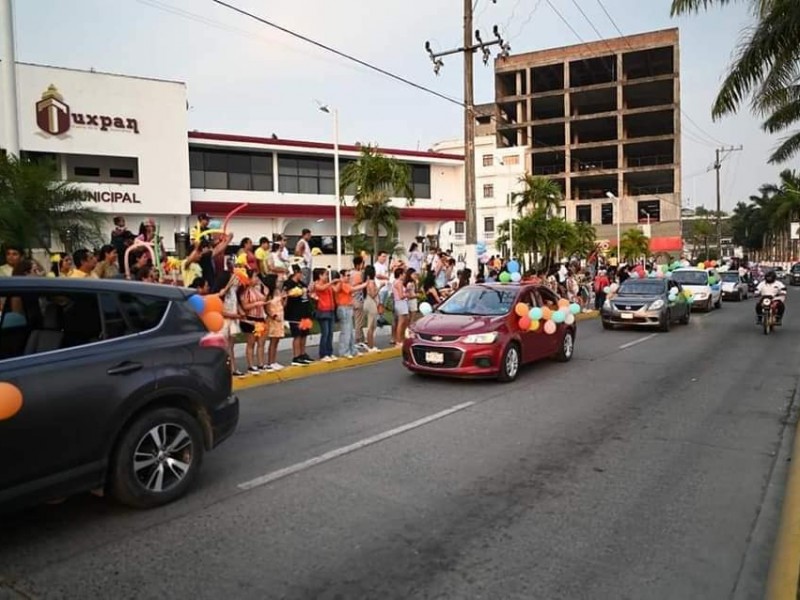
601 117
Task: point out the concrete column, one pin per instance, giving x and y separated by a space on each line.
8 80
623 199
678 189
567 135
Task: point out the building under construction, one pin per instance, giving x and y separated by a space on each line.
602 119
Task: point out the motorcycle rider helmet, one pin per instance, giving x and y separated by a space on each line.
770 277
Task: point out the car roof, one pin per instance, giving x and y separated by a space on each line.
694 269
504 286
21 284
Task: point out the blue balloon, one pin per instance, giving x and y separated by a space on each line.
515 276
559 316
513 266
672 297
535 313
214 224
575 308
197 303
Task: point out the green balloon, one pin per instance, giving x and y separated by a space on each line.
505 277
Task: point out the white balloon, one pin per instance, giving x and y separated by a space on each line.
570 319
425 308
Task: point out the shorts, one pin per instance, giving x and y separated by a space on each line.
412 305
295 330
231 328
247 327
401 307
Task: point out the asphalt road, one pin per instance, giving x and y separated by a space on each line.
651 466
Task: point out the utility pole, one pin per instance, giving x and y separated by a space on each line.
717 167
468 50
8 81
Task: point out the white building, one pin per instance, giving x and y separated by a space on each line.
497 175
124 139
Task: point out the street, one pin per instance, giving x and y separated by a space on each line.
649 467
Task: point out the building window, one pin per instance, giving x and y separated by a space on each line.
222 170
121 173
583 213
511 160
86 171
649 209
488 224
306 175
459 227
488 190
421 180
488 160
607 213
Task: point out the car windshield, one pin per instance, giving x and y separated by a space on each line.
796 269
638 287
479 301
691 277
730 277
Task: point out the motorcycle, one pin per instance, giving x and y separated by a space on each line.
769 313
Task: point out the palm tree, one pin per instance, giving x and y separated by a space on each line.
702 232
634 244
376 179
34 204
766 68
582 242
540 193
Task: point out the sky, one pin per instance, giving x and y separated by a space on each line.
244 77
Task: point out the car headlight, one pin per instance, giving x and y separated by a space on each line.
480 338
701 295
658 304
411 334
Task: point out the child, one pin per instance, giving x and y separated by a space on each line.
275 324
252 301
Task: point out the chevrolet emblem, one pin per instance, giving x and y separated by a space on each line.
437 338
627 308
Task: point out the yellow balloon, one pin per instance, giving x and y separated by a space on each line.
534 326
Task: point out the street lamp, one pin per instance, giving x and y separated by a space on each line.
332 111
611 196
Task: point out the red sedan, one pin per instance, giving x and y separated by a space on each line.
474 333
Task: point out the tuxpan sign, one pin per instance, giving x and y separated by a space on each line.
55 117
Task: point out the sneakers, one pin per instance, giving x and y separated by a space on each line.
254 370
308 360
327 359
299 361
373 349
277 366
362 346
238 373
264 368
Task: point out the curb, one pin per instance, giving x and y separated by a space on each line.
317 368
784 568
587 316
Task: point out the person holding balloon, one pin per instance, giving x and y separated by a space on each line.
253 302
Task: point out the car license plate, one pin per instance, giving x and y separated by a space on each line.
434 358
627 316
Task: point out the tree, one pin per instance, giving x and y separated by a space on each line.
634 244
583 240
375 179
540 193
702 232
34 204
766 68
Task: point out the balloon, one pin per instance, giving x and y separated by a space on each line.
425 308
241 275
570 319
701 265
516 277
575 308
660 275
484 258
534 326
563 303
504 277
546 313
634 275
213 303
213 321
524 323
513 266
522 309
690 299
214 224
558 317
306 324
550 327
535 313
10 400
197 302
712 264
664 268
607 290
672 297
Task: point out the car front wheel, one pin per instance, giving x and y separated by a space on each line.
509 364
157 458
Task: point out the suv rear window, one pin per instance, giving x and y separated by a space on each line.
143 312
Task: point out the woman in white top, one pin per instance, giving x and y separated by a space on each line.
415 258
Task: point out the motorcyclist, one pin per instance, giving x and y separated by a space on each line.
770 287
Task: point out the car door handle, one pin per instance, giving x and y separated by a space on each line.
125 368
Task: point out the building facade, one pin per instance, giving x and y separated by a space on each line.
602 119
124 140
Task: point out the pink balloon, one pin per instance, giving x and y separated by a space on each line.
550 327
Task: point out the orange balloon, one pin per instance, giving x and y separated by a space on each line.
10 400
546 313
213 303
213 321
563 303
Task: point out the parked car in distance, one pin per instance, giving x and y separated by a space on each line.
123 390
794 274
780 273
705 294
734 287
474 333
645 303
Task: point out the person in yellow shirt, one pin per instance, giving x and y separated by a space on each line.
262 256
14 256
85 262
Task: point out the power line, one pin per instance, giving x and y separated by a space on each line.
339 53
567 23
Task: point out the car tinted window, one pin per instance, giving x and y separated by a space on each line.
113 319
479 300
642 287
142 312
691 277
730 277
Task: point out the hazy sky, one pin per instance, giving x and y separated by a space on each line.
246 78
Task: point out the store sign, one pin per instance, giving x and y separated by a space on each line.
107 197
55 117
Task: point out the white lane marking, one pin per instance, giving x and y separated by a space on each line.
639 341
322 458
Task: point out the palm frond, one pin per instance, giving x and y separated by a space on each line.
788 147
